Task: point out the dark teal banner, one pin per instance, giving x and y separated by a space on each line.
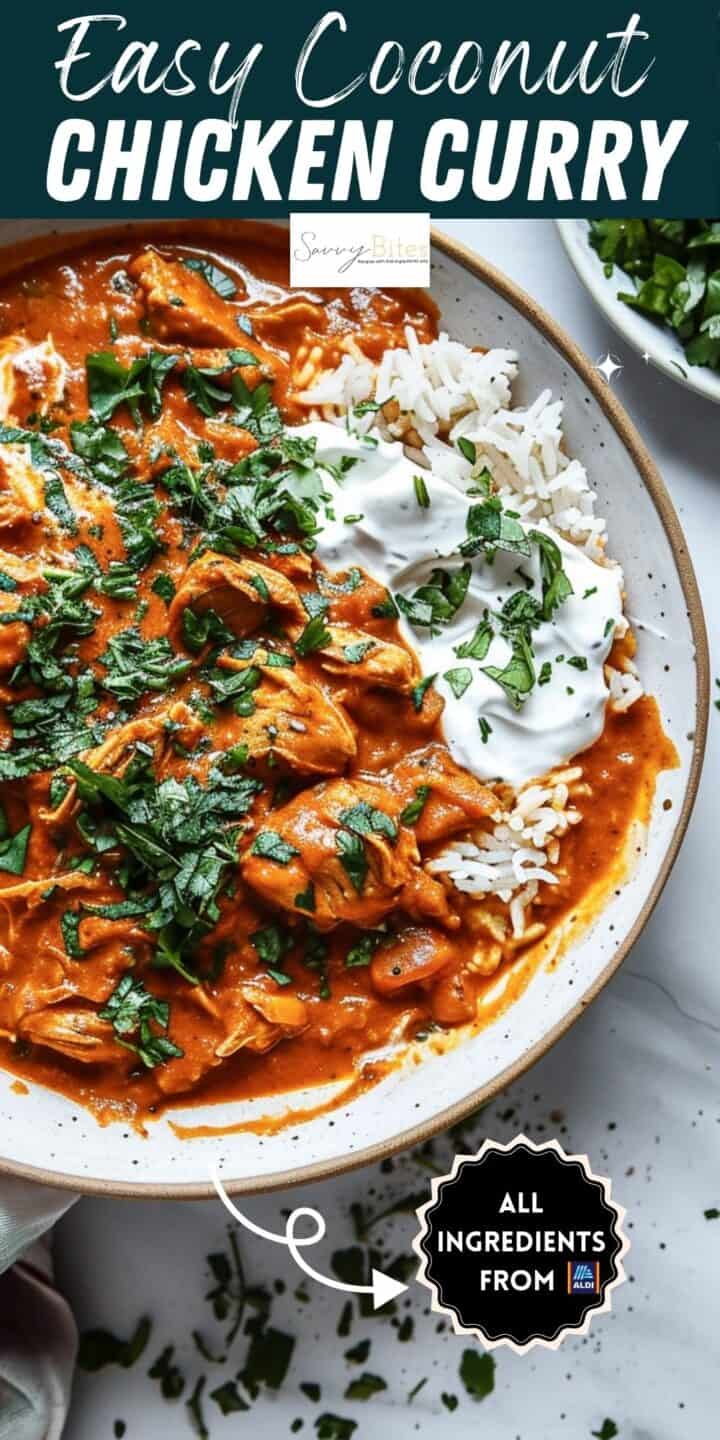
178 109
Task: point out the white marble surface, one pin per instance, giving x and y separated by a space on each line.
634 1084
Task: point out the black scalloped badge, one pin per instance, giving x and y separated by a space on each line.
521 1244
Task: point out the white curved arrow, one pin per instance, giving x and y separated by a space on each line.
383 1287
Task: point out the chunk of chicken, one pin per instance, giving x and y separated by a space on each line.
455 799
32 378
74 1031
293 722
168 442
296 313
367 660
14 634
22 490
258 1019
182 306
31 913
337 852
165 727
241 593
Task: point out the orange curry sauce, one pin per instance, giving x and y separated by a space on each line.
271 974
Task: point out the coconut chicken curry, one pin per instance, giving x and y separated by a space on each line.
221 770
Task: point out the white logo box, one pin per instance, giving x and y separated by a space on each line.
367 249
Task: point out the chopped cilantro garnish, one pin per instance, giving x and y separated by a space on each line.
421 492
459 680
361 953
13 848
414 809
134 664
271 944
271 846
555 583
99 1348
477 1372
164 586
164 1369
365 819
365 1387
518 676
490 528
386 609
140 1020
351 852
673 264
228 1399
139 387
306 899
476 648
437 602
216 278
419 691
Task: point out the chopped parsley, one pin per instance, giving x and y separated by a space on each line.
421 492
315 636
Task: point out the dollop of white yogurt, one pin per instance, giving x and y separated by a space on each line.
399 542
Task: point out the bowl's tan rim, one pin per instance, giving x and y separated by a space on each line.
417 1134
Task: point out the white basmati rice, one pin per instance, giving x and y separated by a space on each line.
442 392
432 396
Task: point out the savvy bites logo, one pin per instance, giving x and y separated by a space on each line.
369 249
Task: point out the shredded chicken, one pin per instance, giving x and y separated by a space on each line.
32 378
364 658
75 1031
354 877
240 592
292 722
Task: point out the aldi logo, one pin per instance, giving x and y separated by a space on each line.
583 1277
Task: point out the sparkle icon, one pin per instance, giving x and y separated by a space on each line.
608 368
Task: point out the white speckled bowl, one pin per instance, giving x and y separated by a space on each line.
658 342
47 1138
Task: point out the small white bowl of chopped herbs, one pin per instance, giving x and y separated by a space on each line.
658 283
